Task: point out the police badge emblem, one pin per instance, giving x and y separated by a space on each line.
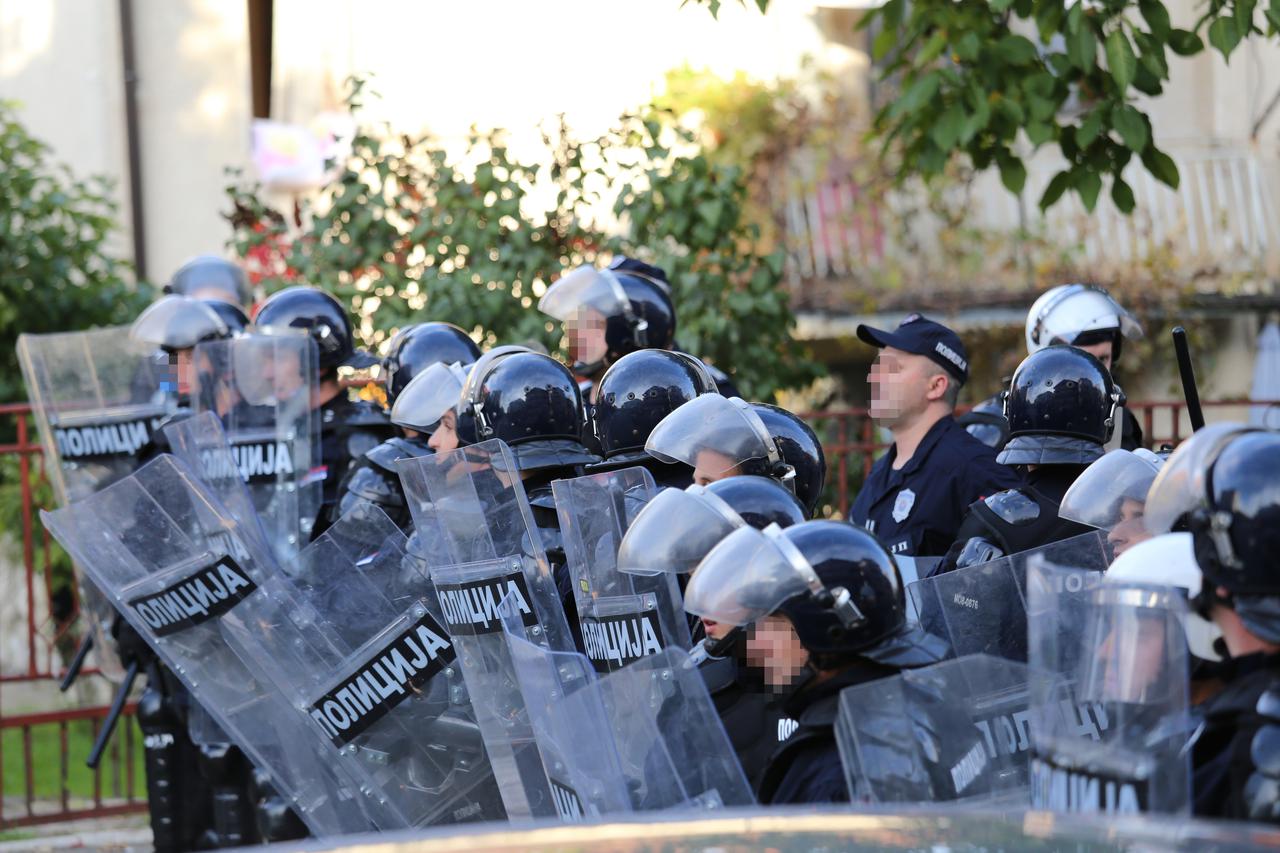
902 505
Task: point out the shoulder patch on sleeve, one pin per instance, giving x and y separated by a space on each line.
1013 507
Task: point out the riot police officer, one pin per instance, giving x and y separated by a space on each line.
233 315
1222 484
1061 407
212 277
414 349
914 496
723 437
1079 315
349 428
633 396
828 611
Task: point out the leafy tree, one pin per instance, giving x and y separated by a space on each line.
56 272
978 77
405 234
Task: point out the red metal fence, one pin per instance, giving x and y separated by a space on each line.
45 781
45 736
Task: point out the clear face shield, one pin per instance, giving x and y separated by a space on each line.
716 436
583 299
675 531
1077 309
1180 485
177 323
1111 495
424 401
1137 634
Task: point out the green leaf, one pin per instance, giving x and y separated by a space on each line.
1082 46
932 49
1122 195
1185 43
1131 126
977 121
947 129
1000 6
1012 173
1089 129
1156 16
1243 14
917 95
1048 18
1057 186
1010 110
1039 132
1161 165
1224 35
1088 185
884 42
1016 50
1121 61
967 46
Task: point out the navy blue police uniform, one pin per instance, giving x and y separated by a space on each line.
916 510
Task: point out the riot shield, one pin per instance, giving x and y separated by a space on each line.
953 732
174 563
351 636
1109 695
624 616
474 531
982 609
261 387
641 738
97 398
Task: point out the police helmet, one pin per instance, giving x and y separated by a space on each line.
759 501
1061 408
631 299
1079 315
205 273
178 323
800 450
987 423
637 392
835 582
417 347
322 317
531 402
233 315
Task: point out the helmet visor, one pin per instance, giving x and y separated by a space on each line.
675 531
426 398
714 435
1180 485
744 578
584 287
1111 490
178 322
1138 648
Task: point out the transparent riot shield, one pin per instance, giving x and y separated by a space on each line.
1109 695
173 561
261 387
982 609
474 531
97 397
350 634
953 732
624 616
641 738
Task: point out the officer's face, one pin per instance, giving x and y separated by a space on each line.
445 438
586 336
712 466
1103 352
1132 656
1129 530
901 384
774 648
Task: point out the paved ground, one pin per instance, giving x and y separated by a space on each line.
111 834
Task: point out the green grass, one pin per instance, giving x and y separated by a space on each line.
46 761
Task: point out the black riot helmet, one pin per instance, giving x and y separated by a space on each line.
415 348
759 501
1061 407
205 274
531 402
637 392
630 302
175 323
835 582
322 317
986 422
800 449
233 315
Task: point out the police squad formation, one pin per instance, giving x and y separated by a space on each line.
521 589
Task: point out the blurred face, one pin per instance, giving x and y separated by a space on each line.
445 438
1129 530
711 466
774 648
586 332
282 373
1133 657
1103 352
182 365
902 386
